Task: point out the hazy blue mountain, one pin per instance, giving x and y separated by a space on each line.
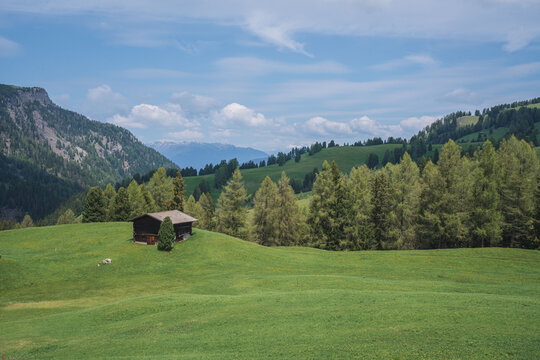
197 154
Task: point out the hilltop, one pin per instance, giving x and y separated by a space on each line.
219 297
48 153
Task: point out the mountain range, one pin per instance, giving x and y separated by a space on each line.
48 153
198 154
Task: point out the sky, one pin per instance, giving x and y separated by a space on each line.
272 74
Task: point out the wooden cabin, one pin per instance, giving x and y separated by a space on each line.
146 227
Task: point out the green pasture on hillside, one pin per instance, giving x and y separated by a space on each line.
217 297
345 156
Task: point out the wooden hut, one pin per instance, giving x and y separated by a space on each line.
146 227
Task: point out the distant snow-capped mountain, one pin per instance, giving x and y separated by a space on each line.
197 154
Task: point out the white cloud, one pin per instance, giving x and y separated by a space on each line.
144 116
236 114
8 48
102 102
153 73
278 22
321 126
193 103
418 59
252 66
418 123
461 96
185 135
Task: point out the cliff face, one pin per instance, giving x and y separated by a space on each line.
65 144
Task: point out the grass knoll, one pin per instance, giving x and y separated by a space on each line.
217 297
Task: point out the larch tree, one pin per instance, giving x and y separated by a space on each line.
109 194
431 205
177 201
264 221
519 170
358 228
192 208
95 206
207 219
327 209
160 187
121 208
149 203
380 210
405 203
485 216
231 212
27 222
136 200
287 213
68 217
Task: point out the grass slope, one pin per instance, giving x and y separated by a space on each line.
216 297
345 156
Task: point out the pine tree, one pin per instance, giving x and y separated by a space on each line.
166 235
136 200
327 209
149 203
231 213
405 203
380 209
161 188
121 209
519 169
68 217
264 221
358 226
206 220
177 201
485 216
95 206
26 222
287 213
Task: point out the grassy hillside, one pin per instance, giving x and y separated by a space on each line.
216 297
467 120
345 156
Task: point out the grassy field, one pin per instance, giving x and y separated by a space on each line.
467 120
345 156
216 297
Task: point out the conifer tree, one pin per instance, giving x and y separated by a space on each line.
206 220
264 221
327 209
287 213
109 194
404 203
27 222
68 217
136 200
95 206
160 186
358 226
519 169
121 209
177 201
380 209
149 203
485 216
192 208
231 213
429 231
166 235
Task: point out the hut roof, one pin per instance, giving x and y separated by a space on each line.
176 216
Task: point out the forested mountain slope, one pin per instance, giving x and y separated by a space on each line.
52 152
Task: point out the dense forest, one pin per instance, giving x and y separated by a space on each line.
489 199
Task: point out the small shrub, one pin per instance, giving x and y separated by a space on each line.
166 235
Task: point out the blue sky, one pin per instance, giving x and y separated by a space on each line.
272 74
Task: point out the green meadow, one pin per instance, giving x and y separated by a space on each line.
345 156
217 297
